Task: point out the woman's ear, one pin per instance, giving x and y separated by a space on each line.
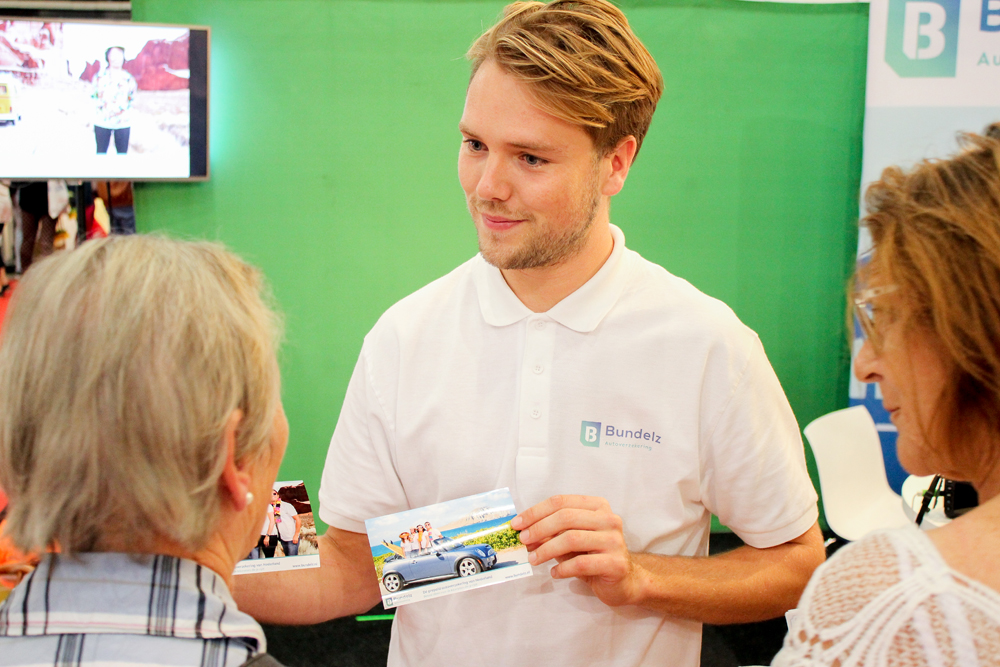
235 482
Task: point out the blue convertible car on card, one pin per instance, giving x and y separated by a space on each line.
446 558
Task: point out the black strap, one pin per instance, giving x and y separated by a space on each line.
262 660
929 495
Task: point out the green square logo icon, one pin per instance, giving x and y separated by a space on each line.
922 37
590 434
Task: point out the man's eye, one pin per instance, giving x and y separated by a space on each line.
533 161
474 145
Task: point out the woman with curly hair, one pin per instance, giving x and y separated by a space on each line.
929 306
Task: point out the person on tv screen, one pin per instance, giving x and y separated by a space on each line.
621 406
929 310
141 431
114 91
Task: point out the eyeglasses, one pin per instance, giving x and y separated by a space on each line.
864 310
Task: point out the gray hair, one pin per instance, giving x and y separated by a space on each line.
120 364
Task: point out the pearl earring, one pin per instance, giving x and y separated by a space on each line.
249 497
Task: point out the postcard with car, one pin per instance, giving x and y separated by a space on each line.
446 548
287 539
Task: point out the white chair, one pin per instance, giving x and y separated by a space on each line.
856 495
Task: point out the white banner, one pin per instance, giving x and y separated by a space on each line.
933 71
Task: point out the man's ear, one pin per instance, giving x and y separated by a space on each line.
235 482
617 164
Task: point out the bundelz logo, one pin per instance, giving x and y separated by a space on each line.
922 37
622 438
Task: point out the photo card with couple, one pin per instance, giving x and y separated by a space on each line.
446 548
287 539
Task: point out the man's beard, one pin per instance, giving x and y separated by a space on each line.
538 248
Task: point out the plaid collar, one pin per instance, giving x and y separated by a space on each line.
134 594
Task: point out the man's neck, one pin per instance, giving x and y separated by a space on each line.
542 288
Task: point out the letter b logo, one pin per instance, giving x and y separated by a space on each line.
590 434
989 20
922 37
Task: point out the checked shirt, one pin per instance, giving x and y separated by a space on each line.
111 608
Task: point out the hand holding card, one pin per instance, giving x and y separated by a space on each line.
585 537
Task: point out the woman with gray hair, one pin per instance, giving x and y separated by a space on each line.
141 429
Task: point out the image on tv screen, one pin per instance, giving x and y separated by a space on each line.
98 100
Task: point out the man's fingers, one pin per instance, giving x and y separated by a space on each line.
578 541
571 519
554 504
587 566
535 545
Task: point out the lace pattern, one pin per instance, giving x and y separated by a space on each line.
890 600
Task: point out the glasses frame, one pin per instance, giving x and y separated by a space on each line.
862 307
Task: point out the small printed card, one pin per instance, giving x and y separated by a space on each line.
446 548
287 538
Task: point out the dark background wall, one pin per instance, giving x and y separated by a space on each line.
333 167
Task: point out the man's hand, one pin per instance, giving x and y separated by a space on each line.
267 540
585 537
741 586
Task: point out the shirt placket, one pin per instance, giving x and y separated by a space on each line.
534 411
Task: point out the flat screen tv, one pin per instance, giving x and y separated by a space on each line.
101 100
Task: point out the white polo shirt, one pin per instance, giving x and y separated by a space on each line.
637 387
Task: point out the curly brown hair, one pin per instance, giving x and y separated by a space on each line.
936 236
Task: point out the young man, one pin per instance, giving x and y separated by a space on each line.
287 523
432 533
620 405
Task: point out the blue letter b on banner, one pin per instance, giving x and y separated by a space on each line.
990 20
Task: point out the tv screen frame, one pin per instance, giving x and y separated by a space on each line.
112 166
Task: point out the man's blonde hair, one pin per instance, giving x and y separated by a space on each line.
120 364
583 62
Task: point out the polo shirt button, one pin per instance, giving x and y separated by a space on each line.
536 414
539 325
539 368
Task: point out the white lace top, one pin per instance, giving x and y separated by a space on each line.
890 600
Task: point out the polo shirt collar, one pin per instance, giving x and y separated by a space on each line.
581 311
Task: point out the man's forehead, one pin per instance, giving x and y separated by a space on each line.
501 110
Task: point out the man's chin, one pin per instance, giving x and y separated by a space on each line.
530 253
512 261
493 249
497 259
505 261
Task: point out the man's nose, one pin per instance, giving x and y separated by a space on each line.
494 183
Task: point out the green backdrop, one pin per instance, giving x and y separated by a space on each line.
333 167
